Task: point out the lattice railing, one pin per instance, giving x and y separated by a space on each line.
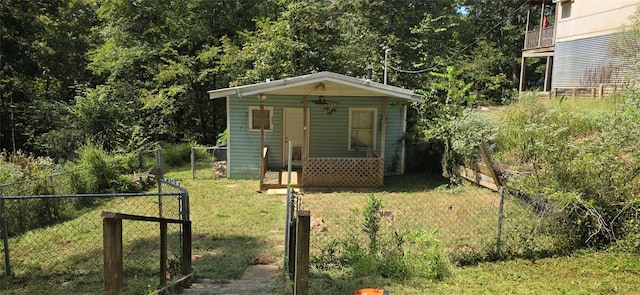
343 172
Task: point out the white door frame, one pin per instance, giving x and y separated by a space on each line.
285 145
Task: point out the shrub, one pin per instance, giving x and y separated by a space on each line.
176 154
391 253
472 127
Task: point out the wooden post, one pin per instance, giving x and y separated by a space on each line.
301 275
305 137
600 90
383 127
186 247
263 169
528 19
522 67
113 268
541 22
487 160
547 74
163 253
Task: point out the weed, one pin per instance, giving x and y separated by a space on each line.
391 253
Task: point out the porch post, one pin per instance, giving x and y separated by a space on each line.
263 169
547 74
383 127
522 67
528 18
305 138
541 22
305 133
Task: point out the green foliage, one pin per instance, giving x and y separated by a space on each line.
391 253
586 164
472 127
223 137
176 154
446 103
103 172
372 215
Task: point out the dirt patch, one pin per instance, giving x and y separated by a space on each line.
261 272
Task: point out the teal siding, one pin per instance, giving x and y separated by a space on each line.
328 134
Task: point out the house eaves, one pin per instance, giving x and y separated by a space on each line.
323 83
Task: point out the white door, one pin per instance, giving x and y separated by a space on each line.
293 130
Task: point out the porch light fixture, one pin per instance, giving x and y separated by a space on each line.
320 86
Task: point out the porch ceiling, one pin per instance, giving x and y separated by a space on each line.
323 83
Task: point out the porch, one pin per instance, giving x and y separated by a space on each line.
540 38
328 172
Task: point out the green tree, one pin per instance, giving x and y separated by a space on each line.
42 61
446 103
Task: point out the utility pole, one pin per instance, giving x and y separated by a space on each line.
386 60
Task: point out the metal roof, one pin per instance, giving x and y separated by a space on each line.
322 83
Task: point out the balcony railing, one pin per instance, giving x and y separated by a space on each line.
540 38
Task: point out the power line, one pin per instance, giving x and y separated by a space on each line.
455 55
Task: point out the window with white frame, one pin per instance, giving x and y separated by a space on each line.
362 128
256 118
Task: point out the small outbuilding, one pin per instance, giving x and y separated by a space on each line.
343 131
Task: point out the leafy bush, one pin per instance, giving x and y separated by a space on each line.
103 172
390 253
472 127
176 154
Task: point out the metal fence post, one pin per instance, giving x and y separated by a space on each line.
500 215
56 212
289 212
5 237
193 164
160 177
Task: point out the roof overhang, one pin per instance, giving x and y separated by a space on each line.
323 83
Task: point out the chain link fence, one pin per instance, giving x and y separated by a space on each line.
470 226
213 159
47 232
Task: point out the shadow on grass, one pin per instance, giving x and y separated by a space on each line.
407 183
82 271
224 257
412 183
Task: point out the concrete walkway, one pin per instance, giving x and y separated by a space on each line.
257 280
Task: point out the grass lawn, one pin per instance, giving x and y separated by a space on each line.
584 273
234 226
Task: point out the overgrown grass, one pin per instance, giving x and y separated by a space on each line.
583 273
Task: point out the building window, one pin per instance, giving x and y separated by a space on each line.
565 6
362 129
255 118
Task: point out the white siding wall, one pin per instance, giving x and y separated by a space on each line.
589 18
